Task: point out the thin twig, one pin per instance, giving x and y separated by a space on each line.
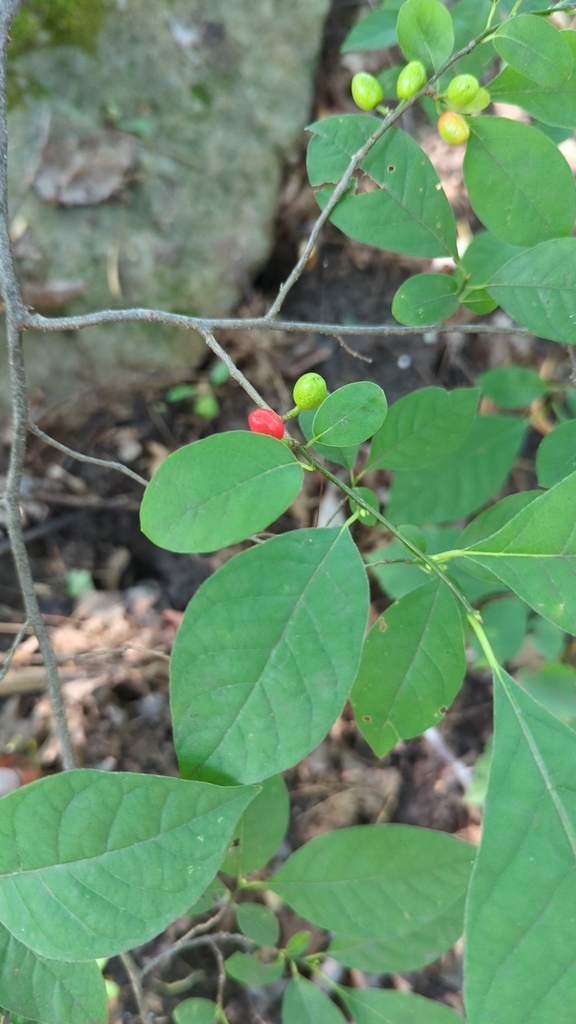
135 979
184 941
106 463
233 370
351 351
14 313
221 976
13 648
191 323
355 162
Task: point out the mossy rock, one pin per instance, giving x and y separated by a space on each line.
146 168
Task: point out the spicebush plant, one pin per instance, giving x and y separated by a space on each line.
271 646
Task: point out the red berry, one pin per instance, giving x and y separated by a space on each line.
264 421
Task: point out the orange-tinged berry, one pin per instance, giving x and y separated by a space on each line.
453 128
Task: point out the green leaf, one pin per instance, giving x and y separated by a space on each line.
555 105
425 299
460 483
305 1003
487 523
547 638
195 1011
469 18
533 47
538 289
383 1006
408 213
494 518
371 499
396 580
250 970
523 887
512 387
423 427
260 830
259 923
514 176
505 622
535 554
412 667
554 686
341 456
376 31
556 455
205 903
359 882
122 855
483 257
219 491
50 991
298 943
266 654
351 414
425 32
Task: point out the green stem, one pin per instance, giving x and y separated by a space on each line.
485 645
359 500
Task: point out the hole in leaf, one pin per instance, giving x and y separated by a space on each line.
366 718
391 168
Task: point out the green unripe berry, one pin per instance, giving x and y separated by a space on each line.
462 90
366 90
453 128
309 391
411 79
206 406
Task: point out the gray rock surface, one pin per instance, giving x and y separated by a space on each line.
147 173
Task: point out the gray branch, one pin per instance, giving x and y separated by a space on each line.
14 312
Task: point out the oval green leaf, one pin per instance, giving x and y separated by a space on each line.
554 105
219 491
408 213
463 481
533 47
384 1006
556 455
195 1011
535 554
523 888
351 414
260 830
358 882
425 32
411 670
538 289
259 923
423 427
248 969
515 176
305 1003
266 654
376 31
50 991
512 387
122 855
341 456
425 299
